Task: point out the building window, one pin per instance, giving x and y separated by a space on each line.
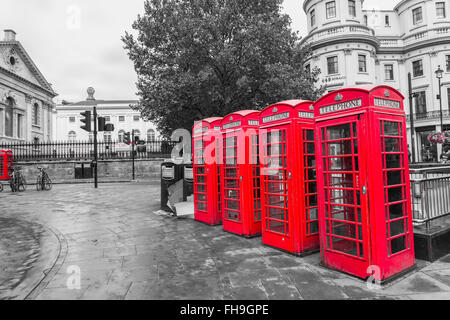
440 10
36 114
421 104
72 136
308 69
71 119
121 118
136 118
331 9
389 72
19 126
150 135
313 17
107 118
386 21
121 134
418 68
447 62
448 97
366 21
352 8
362 63
107 137
9 117
332 63
417 15
137 134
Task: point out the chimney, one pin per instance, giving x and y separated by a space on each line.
10 35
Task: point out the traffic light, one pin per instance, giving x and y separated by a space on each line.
86 120
127 138
101 124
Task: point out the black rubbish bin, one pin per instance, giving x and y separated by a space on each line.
171 173
188 181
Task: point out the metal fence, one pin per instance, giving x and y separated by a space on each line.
430 191
78 150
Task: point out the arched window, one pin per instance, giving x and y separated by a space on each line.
121 134
150 135
72 136
9 117
36 114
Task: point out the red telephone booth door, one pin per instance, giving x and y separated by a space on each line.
231 184
277 185
200 181
340 148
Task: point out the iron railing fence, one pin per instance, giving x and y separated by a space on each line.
430 191
78 150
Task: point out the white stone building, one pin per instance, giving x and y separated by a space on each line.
117 112
353 46
26 98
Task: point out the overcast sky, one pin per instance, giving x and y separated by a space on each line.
76 43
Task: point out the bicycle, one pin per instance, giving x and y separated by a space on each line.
17 181
43 181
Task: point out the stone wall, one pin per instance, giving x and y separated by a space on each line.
108 170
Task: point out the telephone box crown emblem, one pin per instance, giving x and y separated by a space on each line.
387 94
275 110
231 118
339 97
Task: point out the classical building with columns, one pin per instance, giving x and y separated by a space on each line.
26 98
353 46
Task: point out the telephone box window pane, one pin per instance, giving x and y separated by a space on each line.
201 197
232 194
276 226
341 180
310 148
276 201
309 135
314 227
201 188
394 178
345 246
313 214
342 229
392 145
311 161
396 211
343 213
200 170
340 148
398 244
201 206
397 227
393 161
201 179
231 184
395 194
342 197
340 164
339 132
391 128
312 201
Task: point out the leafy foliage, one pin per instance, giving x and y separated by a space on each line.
201 58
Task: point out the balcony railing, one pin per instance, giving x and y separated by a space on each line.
431 115
426 35
339 30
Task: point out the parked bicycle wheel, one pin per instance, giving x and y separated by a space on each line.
47 184
39 184
22 184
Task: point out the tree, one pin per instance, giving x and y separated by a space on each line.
201 58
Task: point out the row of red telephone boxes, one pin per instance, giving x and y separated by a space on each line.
330 175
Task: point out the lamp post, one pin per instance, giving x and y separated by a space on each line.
439 74
91 101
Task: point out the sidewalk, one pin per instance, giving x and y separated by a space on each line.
124 250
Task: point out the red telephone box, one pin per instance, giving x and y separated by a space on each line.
206 150
363 182
241 190
288 177
6 162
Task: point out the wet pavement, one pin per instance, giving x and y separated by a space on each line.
76 242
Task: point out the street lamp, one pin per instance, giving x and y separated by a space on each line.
439 74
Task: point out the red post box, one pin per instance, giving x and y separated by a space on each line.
288 177
363 182
241 190
6 162
206 150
